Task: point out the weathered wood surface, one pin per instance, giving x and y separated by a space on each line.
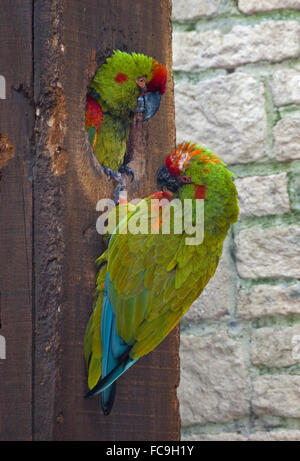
16 130
71 38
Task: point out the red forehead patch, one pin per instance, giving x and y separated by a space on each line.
159 78
200 191
121 78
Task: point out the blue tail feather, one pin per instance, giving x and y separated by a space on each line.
115 355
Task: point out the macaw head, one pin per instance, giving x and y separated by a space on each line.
128 83
194 172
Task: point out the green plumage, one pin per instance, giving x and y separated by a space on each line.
156 277
110 147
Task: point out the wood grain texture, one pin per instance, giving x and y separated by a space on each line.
71 39
16 128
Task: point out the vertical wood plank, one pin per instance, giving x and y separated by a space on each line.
16 130
71 37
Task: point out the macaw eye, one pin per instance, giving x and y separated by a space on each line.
141 81
185 179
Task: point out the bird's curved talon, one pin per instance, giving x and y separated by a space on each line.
107 171
127 170
112 174
116 176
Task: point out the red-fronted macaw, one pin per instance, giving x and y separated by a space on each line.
147 282
123 85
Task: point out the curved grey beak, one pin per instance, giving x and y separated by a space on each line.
149 104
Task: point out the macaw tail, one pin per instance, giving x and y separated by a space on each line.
115 356
107 386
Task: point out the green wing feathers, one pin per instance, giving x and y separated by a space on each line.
110 146
154 280
92 339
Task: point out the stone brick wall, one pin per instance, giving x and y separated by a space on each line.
237 91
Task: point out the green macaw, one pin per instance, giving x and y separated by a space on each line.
123 85
147 281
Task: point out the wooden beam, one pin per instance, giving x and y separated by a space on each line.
74 38
16 131
44 374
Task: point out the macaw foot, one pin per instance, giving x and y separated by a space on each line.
127 170
116 176
117 192
112 174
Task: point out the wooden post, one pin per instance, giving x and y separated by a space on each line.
16 307
48 243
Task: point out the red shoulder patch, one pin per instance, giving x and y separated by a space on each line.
93 113
200 191
163 194
121 78
158 209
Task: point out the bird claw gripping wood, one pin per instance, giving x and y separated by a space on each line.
127 170
116 176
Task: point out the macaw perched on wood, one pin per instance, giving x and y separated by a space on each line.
123 85
147 282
